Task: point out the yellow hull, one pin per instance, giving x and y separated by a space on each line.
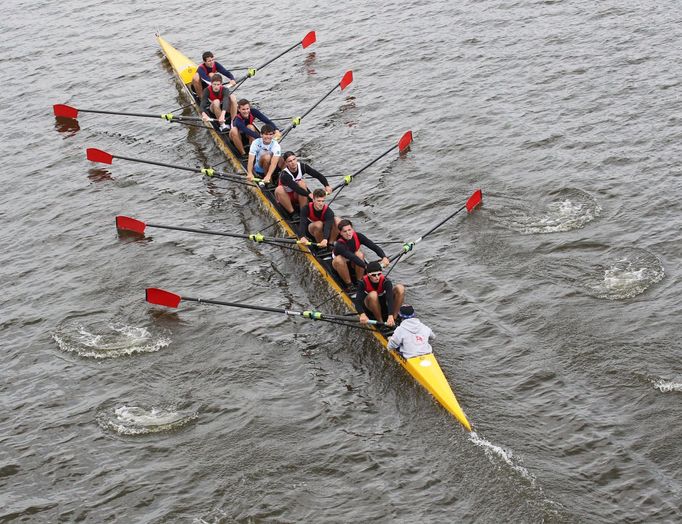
424 369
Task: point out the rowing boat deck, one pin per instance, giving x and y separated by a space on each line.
425 369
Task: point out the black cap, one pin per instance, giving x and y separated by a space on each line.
406 311
373 267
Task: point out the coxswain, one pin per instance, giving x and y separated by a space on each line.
291 190
202 78
411 337
215 102
318 220
244 130
264 155
377 295
348 255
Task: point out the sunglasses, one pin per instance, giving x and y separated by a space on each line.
377 274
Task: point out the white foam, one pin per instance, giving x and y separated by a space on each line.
627 279
137 420
496 453
666 386
109 341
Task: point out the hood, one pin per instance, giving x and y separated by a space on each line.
411 324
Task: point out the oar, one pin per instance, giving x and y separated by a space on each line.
345 82
474 201
402 144
97 155
162 297
124 223
308 39
64 111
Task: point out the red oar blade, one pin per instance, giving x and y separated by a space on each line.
346 80
125 223
309 39
64 111
97 155
161 297
405 141
474 200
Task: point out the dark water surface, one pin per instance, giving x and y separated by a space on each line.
556 305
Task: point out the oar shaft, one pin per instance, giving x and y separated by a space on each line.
207 171
201 231
154 163
312 315
439 224
279 56
257 237
320 101
382 155
142 115
409 246
243 306
298 120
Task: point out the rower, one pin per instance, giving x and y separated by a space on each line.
378 296
202 78
411 337
264 155
291 190
215 102
347 254
243 128
318 220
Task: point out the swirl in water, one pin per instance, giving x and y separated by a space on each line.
629 275
667 386
570 209
140 420
103 339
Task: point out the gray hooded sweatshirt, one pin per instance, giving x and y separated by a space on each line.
411 338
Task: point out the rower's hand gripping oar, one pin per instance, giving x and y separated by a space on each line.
64 111
343 84
124 223
97 155
472 203
402 145
308 40
165 298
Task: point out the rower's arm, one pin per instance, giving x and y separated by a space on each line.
359 299
241 126
272 166
303 222
224 71
341 249
328 224
307 170
249 165
388 287
204 102
367 242
260 116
